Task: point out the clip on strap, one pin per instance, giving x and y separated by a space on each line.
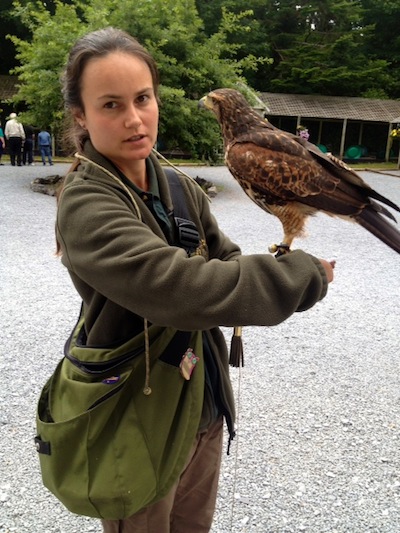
42 446
188 235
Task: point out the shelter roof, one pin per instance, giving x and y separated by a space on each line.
8 86
331 107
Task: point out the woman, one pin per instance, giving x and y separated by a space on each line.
117 237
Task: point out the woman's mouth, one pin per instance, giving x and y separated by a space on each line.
135 138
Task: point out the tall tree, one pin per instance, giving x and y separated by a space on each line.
322 49
13 25
383 41
319 46
253 37
41 59
190 63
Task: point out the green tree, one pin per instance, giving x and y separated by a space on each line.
320 48
41 59
14 26
251 34
172 31
190 63
383 41
346 47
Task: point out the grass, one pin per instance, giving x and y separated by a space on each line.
374 165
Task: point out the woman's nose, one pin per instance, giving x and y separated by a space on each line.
132 118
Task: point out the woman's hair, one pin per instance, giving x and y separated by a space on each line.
94 45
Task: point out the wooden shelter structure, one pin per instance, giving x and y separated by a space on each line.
396 125
348 127
8 87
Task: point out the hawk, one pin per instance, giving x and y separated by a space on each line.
291 178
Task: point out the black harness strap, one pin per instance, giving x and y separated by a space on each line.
188 236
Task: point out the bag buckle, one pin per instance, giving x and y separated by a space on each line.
42 446
188 235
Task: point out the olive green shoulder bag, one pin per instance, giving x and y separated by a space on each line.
108 445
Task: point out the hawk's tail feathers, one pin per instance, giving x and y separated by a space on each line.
384 200
381 228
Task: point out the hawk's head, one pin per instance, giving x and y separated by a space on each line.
233 112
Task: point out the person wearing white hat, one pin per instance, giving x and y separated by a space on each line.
15 135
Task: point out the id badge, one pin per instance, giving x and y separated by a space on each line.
188 363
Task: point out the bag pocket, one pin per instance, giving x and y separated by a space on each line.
82 466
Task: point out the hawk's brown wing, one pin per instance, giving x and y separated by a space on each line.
276 166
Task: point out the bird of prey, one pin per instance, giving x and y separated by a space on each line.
292 178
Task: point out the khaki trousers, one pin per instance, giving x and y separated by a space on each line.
189 506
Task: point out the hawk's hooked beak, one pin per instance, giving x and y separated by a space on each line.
205 103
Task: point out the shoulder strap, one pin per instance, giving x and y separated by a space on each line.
189 237
178 196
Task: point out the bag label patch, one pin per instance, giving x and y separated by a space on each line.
112 380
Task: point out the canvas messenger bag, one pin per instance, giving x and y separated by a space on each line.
106 448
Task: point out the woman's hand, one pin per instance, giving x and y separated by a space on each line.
328 266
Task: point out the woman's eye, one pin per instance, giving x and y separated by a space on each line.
110 105
143 98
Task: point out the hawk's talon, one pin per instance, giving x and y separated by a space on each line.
279 249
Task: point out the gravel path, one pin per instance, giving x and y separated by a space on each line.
318 400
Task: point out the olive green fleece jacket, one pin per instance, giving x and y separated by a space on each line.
122 266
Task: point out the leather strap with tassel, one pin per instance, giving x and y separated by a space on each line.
236 354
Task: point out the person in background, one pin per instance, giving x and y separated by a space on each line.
27 151
44 144
2 143
302 132
15 136
127 268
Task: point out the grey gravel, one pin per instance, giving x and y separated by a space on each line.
318 400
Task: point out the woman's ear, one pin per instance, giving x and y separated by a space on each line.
80 118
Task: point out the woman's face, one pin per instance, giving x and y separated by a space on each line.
120 109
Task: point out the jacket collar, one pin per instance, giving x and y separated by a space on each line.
92 155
